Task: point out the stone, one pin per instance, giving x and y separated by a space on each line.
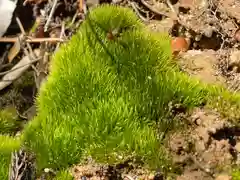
237 147
223 177
200 146
234 61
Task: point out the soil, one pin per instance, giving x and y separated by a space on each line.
125 171
210 146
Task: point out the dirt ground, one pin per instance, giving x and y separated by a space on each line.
208 34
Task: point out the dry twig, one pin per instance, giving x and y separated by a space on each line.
153 9
61 35
171 7
50 15
31 40
16 71
135 8
21 166
16 68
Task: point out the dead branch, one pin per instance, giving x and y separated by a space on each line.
50 15
135 8
31 40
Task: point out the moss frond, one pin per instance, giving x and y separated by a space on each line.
63 175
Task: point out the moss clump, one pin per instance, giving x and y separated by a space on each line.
7 146
236 174
63 175
9 122
108 93
226 102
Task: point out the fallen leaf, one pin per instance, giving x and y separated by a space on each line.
179 44
13 52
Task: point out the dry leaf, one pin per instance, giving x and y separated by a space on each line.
14 51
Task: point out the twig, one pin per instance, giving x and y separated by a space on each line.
134 6
154 9
171 7
50 15
30 55
21 166
14 69
31 40
15 72
128 177
24 33
74 19
61 35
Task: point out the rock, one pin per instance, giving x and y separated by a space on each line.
186 4
235 61
198 121
218 154
208 32
201 64
237 147
237 35
193 4
179 144
203 134
151 177
116 1
158 176
200 146
163 26
223 177
193 175
230 7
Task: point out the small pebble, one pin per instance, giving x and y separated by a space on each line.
234 60
158 176
237 35
237 147
198 121
223 177
46 170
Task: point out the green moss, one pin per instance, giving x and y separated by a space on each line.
7 146
109 97
9 122
226 102
236 174
63 175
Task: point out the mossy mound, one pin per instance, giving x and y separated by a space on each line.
108 94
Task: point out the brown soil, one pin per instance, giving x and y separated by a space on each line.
208 148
